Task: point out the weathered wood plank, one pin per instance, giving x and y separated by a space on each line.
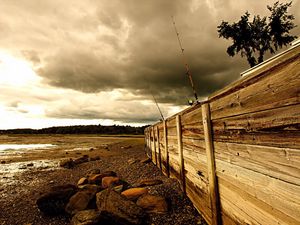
275 193
256 74
200 199
275 89
243 208
210 164
195 145
280 163
278 127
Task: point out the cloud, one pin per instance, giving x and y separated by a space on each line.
125 47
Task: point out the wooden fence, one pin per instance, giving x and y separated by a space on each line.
237 155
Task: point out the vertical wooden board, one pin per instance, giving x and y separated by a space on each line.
276 88
243 208
180 151
166 162
213 188
280 163
158 149
154 146
280 196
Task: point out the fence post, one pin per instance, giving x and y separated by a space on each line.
211 168
154 145
166 148
180 150
158 148
151 143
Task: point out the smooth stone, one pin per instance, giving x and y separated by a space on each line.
110 181
82 181
81 199
97 178
134 193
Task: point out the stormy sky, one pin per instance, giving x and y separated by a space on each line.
100 62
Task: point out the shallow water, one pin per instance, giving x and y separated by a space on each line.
6 147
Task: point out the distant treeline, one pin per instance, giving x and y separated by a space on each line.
80 129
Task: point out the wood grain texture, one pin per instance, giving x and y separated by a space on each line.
278 127
279 163
243 208
272 88
268 191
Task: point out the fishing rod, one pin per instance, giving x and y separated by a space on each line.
161 115
185 61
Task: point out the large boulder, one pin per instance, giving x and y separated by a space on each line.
153 204
115 209
54 201
81 199
134 193
86 217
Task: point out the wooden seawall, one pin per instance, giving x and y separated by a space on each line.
237 155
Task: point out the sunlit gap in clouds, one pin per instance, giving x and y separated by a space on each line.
16 72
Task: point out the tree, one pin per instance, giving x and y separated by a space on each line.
252 39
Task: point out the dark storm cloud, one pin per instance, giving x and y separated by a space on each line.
98 46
